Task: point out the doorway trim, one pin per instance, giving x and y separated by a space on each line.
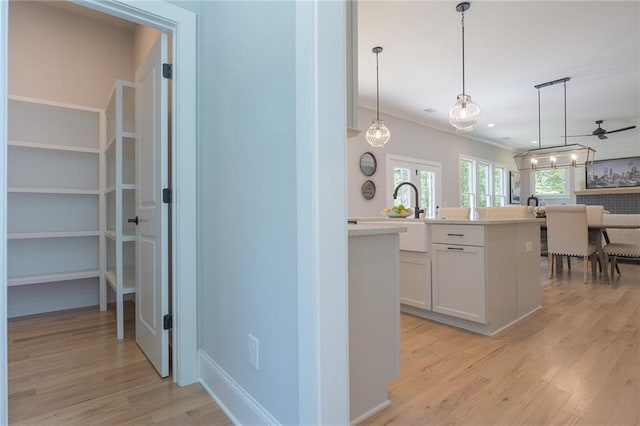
181 24
4 67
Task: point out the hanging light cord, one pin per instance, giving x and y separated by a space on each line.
377 91
565 112
463 87
539 128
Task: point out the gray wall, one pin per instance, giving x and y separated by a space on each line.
414 140
247 196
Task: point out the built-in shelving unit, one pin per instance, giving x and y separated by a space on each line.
54 202
119 195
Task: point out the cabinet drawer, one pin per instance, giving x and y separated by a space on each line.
468 235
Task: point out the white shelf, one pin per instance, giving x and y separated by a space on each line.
40 279
32 190
129 186
129 135
40 235
38 145
127 235
129 273
109 190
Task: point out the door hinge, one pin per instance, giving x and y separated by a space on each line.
167 196
167 322
167 71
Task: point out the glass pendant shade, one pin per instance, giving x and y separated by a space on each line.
464 114
377 134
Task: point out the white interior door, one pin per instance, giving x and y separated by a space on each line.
151 177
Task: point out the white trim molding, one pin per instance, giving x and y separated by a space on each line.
241 407
4 66
323 338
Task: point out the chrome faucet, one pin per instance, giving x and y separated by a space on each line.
417 209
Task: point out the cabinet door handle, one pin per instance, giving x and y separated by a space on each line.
134 220
455 235
455 248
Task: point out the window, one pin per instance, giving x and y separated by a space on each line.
553 182
482 183
425 175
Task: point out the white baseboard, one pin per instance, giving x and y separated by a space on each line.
237 404
374 410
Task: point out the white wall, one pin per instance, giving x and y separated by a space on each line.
247 197
410 139
58 55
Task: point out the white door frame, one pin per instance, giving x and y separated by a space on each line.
4 67
181 24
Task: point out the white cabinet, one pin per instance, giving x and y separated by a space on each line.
54 180
352 68
485 274
459 281
415 279
119 195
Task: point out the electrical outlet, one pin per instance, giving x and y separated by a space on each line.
529 246
254 352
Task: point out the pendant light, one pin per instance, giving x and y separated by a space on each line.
554 157
465 113
377 134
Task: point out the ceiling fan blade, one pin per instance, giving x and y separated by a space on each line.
578 136
602 137
621 130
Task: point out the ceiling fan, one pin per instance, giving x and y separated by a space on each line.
602 133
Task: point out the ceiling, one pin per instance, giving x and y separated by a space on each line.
510 46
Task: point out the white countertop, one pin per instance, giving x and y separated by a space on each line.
483 221
375 229
364 220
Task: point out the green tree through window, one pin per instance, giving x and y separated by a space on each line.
550 181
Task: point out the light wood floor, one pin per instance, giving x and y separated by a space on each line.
68 368
577 361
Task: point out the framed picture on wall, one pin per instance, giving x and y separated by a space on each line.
514 188
614 173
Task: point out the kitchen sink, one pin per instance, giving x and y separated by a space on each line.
415 239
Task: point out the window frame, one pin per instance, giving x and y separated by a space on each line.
491 194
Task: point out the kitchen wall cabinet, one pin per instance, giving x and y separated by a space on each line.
54 223
352 68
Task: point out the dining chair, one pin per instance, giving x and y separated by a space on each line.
622 242
616 250
568 235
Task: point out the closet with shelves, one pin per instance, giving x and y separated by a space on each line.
119 197
53 221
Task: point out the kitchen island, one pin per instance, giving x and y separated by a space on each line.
374 316
481 275
485 274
